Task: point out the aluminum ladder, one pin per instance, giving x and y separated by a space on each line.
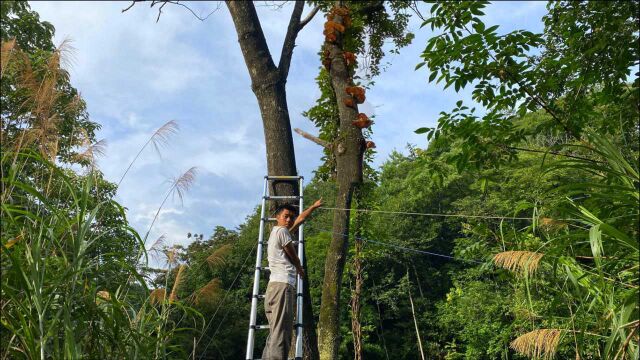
259 268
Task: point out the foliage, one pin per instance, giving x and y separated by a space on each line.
571 71
71 284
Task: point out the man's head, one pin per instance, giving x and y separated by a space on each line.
285 215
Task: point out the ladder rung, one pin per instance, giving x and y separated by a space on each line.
274 197
259 296
284 177
265 268
269 219
260 327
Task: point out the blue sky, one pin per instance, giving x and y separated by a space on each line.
136 74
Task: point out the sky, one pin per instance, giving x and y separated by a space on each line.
136 74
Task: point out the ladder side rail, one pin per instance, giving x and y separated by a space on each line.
256 277
299 287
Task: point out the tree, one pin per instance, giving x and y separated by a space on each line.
342 126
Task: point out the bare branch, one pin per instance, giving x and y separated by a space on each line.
308 18
290 40
130 6
316 140
414 7
175 2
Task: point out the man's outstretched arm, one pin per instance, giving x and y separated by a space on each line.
304 215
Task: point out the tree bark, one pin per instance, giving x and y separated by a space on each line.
268 84
348 149
356 326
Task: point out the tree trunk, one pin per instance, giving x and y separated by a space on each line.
269 87
348 149
356 326
268 84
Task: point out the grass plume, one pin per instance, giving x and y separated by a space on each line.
208 293
176 284
157 296
218 256
159 138
541 343
525 262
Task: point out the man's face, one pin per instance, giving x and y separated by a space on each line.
285 218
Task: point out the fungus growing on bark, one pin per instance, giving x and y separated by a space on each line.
356 92
362 121
349 102
332 26
349 57
370 145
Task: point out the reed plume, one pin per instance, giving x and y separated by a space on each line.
218 256
208 293
180 185
541 343
159 138
525 262
176 285
157 296
6 53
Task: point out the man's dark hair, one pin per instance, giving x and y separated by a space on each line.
283 207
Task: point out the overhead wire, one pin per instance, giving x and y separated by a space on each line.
432 214
585 267
407 248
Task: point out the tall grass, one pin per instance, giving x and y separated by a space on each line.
593 263
71 283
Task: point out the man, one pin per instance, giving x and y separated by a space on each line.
280 296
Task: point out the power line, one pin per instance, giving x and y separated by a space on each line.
433 214
421 251
583 266
408 249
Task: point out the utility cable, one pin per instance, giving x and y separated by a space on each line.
407 248
457 215
431 214
584 267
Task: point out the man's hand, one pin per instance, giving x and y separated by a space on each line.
302 217
317 204
300 272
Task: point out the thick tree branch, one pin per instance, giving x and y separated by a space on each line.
308 18
290 40
308 136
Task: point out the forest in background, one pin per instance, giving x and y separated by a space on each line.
537 256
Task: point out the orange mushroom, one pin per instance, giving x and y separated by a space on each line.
349 102
370 145
349 57
362 121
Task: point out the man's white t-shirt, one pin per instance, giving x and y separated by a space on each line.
282 270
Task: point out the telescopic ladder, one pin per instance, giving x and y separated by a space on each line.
259 268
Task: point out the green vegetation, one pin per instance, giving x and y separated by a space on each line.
514 233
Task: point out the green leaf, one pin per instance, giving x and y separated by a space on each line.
491 29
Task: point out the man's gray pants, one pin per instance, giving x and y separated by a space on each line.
278 307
